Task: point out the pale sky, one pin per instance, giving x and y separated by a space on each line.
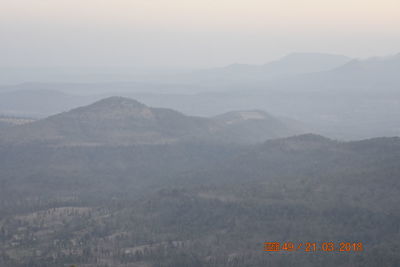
192 33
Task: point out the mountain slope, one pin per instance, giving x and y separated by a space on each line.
252 126
325 168
123 121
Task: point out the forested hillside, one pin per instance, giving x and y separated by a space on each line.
200 205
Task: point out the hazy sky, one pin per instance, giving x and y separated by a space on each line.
200 33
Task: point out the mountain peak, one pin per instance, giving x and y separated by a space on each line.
115 101
109 109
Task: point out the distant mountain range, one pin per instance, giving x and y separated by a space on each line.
334 95
298 71
124 121
99 80
292 64
369 75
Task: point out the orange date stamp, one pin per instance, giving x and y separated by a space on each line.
314 246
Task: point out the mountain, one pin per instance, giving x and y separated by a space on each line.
357 100
292 64
382 73
297 63
114 120
123 121
388 64
368 75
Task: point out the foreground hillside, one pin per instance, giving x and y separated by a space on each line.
200 204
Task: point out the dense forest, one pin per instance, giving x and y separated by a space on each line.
200 204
